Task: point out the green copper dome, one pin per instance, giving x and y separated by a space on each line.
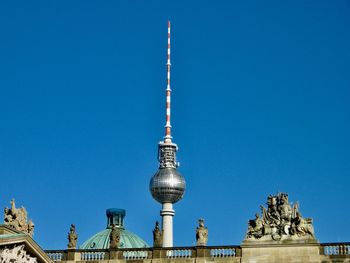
101 239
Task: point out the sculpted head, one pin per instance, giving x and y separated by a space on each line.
284 198
201 222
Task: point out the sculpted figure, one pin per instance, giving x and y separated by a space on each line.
270 215
285 209
114 238
157 236
302 226
31 228
21 215
72 237
13 206
201 233
7 216
272 210
255 227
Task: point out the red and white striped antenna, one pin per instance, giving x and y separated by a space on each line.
168 137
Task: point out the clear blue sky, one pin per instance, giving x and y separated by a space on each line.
261 94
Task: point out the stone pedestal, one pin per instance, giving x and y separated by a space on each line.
113 254
202 252
280 252
72 255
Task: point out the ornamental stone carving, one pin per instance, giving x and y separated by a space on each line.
16 254
17 219
72 237
157 236
280 221
201 233
114 238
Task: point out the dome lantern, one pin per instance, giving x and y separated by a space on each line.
115 217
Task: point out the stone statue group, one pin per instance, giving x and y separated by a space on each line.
279 221
17 219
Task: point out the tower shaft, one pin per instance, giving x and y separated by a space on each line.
167 213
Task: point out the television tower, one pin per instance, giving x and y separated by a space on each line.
167 186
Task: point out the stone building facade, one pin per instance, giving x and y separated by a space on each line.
278 235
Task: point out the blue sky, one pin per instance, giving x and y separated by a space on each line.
260 105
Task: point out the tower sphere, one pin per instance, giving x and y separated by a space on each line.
167 186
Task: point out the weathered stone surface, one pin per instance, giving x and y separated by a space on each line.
301 253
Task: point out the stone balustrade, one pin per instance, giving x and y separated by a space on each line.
93 255
213 253
335 249
136 255
179 253
143 253
224 252
56 255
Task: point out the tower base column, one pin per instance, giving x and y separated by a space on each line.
167 213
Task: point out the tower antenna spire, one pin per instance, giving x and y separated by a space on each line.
167 138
